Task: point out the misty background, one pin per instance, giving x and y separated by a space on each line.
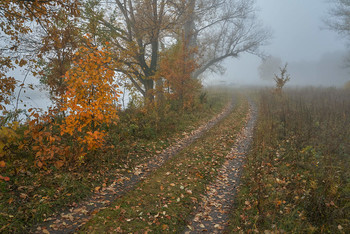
315 55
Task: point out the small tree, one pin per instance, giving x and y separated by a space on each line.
282 79
90 100
90 106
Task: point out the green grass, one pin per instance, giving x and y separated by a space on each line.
296 178
164 201
32 195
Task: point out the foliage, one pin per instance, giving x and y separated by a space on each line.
8 140
296 179
8 136
32 194
176 67
92 96
7 86
16 18
89 105
57 53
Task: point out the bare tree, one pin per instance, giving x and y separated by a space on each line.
222 29
218 29
339 20
136 29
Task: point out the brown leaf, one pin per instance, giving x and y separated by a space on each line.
59 164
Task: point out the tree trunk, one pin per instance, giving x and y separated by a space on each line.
148 84
189 26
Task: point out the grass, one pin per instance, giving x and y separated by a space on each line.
164 201
32 195
296 178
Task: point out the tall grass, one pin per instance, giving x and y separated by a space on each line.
296 177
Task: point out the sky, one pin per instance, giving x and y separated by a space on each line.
299 37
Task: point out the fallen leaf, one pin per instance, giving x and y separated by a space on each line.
59 164
40 164
4 178
165 227
189 191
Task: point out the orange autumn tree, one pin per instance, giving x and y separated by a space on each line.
176 67
90 105
91 98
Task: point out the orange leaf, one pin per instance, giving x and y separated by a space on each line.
4 178
40 164
59 164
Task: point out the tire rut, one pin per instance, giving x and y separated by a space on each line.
69 220
213 213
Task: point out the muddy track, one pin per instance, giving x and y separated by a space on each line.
69 221
213 213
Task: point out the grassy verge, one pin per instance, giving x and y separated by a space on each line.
296 178
164 201
31 195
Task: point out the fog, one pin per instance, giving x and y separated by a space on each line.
316 55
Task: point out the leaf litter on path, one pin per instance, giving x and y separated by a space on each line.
212 214
78 214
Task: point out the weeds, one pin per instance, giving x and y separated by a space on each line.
296 177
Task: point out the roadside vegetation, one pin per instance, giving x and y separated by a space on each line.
296 178
30 194
85 53
167 199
